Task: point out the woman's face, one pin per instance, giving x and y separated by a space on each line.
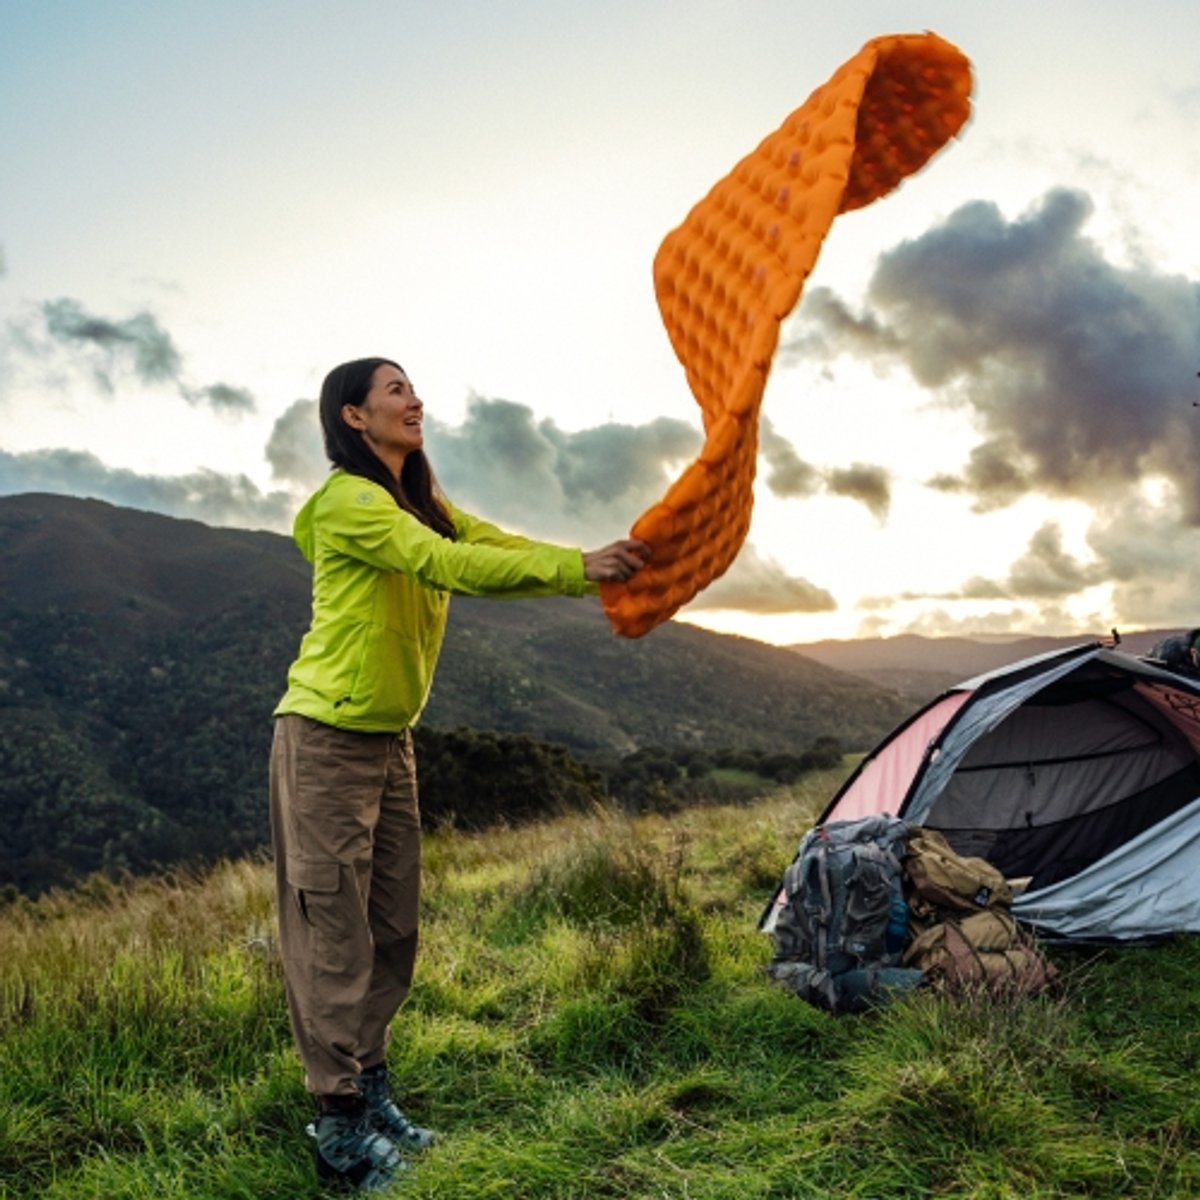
390 417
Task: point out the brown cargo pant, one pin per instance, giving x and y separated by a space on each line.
346 830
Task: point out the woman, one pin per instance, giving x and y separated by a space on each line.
386 549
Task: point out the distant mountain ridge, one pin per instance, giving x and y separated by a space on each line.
922 667
130 568
548 667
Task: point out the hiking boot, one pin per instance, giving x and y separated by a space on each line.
349 1149
385 1117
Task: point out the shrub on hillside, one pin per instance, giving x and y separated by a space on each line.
471 779
657 780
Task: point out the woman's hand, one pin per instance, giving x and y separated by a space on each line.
617 562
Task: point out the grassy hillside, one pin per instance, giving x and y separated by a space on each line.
590 1019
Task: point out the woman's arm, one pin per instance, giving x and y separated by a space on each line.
360 519
614 563
483 533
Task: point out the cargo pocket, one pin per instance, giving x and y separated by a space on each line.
338 945
310 878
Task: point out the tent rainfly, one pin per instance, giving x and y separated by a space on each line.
1078 771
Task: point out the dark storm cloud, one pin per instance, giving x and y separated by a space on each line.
534 475
830 326
223 397
870 485
1153 562
137 344
294 448
937 622
504 464
139 341
761 585
976 588
788 475
612 460
203 495
1080 374
991 475
1045 572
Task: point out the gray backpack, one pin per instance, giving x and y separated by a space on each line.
840 923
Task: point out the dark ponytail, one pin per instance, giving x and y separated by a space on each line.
416 491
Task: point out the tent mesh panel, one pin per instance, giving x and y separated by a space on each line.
1060 849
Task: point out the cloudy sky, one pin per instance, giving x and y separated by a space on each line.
981 416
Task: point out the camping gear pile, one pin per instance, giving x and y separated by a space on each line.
871 908
1069 785
966 935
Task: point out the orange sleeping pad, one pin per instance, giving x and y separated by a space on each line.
727 277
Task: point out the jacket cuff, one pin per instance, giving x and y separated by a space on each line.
577 584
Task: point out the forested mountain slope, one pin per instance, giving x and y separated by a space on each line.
141 656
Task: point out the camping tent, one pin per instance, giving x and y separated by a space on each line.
1077 770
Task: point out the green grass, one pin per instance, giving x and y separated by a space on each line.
591 1019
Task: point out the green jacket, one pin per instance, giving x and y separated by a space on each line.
381 584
